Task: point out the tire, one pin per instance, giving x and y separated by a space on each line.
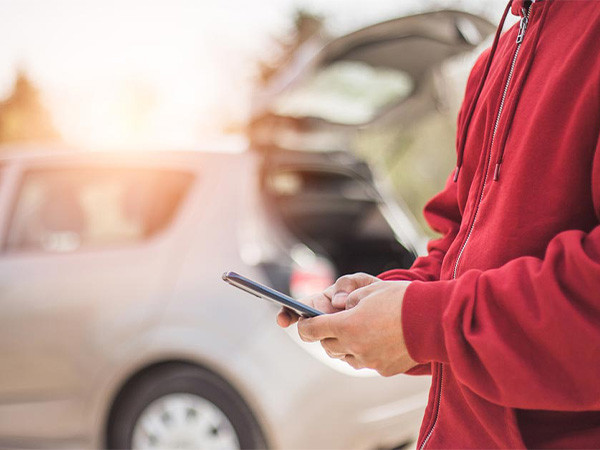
137 408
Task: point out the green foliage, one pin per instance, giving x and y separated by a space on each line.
418 159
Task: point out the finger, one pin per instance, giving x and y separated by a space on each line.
347 284
320 302
339 300
285 318
317 328
356 296
353 362
343 285
354 300
323 304
334 348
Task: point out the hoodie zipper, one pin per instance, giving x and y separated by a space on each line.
520 36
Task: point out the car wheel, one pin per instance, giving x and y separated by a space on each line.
182 406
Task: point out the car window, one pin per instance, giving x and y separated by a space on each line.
66 210
345 92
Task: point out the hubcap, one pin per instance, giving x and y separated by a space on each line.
183 421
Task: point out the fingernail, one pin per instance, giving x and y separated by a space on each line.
340 297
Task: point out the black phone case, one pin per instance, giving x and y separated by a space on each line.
261 291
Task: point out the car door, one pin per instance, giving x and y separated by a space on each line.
85 254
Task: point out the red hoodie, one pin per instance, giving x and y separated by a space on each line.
505 309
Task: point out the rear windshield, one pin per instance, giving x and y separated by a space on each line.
345 92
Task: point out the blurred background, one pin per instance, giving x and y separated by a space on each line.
148 146
181 74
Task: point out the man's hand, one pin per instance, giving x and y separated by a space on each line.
344 286
321 302
367 335
333 299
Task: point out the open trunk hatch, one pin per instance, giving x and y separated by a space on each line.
329 202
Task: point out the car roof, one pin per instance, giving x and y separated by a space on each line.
64 154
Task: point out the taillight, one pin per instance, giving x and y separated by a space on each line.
310 274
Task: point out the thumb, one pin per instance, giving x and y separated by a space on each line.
320 327
339 291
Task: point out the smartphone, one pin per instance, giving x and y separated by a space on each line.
261 291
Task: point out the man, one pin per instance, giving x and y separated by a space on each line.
504 311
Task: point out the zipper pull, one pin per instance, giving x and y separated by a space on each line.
523 25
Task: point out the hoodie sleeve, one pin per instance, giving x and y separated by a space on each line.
524 335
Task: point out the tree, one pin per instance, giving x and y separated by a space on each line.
306 26
22 115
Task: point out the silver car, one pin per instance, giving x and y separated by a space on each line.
117 330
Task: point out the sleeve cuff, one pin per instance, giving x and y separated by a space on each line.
422 313
396 275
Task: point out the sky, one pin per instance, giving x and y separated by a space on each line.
163 73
